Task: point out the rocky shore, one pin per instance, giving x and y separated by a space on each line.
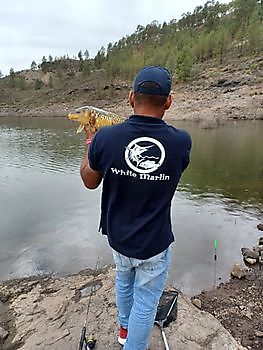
238 304
48 313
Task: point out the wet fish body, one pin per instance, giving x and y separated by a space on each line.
94 118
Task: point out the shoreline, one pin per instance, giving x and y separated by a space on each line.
30 301
206 100
215 120
43 312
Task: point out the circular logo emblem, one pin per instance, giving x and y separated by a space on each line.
144 155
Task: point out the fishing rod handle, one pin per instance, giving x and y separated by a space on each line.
165 340
82 338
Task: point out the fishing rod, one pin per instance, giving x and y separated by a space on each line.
215 259
88 342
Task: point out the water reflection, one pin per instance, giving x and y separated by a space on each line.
228 161
48 221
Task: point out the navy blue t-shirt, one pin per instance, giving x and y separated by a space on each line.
141 161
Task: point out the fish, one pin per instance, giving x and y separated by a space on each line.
93 118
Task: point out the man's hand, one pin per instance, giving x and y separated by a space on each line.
89 135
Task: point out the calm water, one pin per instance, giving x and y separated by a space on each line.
49 221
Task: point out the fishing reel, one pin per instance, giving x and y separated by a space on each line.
90 342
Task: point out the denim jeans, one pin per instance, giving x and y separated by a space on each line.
139 286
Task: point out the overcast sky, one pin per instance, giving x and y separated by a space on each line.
31 29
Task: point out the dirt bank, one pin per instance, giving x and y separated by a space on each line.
238 305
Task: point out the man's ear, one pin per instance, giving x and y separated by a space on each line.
131 98
168 102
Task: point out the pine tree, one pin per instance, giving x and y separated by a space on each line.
255 38
184 63
86 54
33 65
221 40
100 57
80 55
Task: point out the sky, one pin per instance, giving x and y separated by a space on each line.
31 29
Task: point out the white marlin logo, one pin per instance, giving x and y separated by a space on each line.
144 155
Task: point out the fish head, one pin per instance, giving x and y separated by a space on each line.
81 116
85 117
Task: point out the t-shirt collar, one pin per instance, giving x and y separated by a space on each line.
145 119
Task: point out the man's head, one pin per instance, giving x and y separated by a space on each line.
152 87
153 80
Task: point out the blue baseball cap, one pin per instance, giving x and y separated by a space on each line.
153 80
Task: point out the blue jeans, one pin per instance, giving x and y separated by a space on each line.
139 286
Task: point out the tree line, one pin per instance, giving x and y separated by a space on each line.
62 66
212 31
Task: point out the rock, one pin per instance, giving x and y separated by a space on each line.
238 271
249 314
250 261
248 253
59 312
258 249
3 334
197 302
260 227
226 83
259 334
260 241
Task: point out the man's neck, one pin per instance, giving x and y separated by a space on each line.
149 112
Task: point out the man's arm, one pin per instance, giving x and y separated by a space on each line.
91 178
186 158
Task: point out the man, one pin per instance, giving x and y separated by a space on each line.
140 162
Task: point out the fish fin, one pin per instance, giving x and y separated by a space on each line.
80 128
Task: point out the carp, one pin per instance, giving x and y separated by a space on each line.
93 118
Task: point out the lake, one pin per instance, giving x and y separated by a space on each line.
49 220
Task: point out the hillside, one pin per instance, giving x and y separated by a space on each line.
229 91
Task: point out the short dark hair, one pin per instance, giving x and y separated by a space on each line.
150 100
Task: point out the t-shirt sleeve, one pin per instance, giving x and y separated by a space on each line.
186 157
92 155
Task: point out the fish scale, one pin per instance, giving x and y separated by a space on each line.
93 118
